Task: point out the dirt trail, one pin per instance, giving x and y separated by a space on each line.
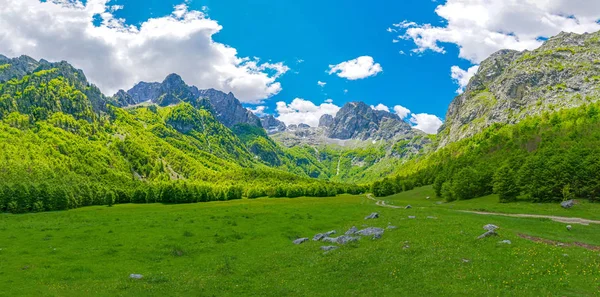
565 220
381 202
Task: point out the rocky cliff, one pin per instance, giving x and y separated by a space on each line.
509 86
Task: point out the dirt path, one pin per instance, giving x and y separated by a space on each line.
565 220
381 202
554 218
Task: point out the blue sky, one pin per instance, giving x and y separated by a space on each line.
414 54
322 33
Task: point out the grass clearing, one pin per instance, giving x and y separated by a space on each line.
244 248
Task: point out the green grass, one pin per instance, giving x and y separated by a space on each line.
243 248
490 203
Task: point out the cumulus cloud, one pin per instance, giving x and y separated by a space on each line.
115 55
427 123
401 111
482 27
321 83
359 68
462 77
258 110
303 111
380 107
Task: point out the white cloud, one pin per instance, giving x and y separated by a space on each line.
427 123
321 83
259 110
401 111
482 27
380 107
329 101
115 55
303 111
359 68
462 77
346 91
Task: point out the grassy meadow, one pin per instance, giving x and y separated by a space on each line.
244 248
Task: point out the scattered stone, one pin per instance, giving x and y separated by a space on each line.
427 198
390 227
319 237
377 236
466 260
408 207
488 234
372 216
351 231
300 240
565 255
569 227
439 202
370 231
406 247
330 233
330 239
328 248
346 239
25 267
490 227
433 218
506 241
412 217
568 203
136 276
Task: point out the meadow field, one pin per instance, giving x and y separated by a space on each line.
244 248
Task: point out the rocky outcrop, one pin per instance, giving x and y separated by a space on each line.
272 125
326 121
173 90
229 110
357 120
510 85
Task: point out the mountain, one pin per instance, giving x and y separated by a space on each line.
357 120
229 110
25 71
526 128
272 125
358 144
510 85
174 90
65 145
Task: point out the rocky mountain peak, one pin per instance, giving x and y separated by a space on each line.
174 90
326 121
357 120
272 125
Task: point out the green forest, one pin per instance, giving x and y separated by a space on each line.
64 145
548 158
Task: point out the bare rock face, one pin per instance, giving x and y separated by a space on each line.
229 110
326 121
357 120
511 85
272 125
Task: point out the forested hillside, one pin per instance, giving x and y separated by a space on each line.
66 145
547 158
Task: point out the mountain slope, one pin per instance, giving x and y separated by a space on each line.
65 145
510 86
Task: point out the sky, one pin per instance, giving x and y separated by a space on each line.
296 60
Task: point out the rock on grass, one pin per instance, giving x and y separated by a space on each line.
372 216
300 240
